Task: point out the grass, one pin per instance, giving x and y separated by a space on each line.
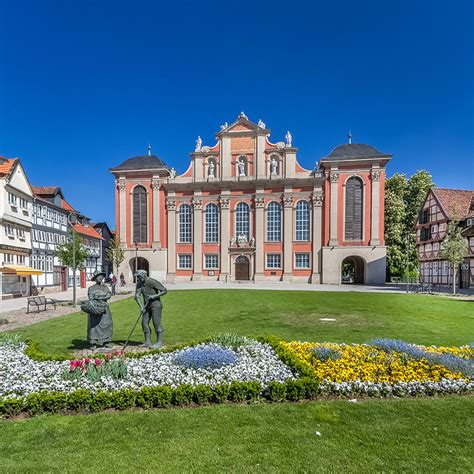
197 314
420 435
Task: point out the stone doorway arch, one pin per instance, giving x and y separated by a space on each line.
353 270
242 268
141 264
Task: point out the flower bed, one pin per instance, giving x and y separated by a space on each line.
230 368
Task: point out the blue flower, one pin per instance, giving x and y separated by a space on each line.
205 357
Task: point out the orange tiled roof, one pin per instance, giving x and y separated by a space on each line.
89 231
66 205
6 165
456 202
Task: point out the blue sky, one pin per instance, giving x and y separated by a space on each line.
86 84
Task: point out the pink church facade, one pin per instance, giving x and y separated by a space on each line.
245 209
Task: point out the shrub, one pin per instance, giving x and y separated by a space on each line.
11 406
326 353
244 391
101 401
203 394
205 357
46 402
220 393
183 395
80 400
276 392
123 399
231 340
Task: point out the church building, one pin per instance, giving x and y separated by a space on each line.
245 209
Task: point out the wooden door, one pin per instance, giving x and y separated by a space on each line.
242 268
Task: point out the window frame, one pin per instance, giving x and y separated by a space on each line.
241 205
273 222
303 222
179 255
273 254
206 266
211 227
185 227
308 254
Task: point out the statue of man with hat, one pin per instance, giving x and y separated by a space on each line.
147 295
99 321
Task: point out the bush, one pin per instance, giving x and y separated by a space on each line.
276 392
203 394
80 400
11 406
101 401
123 399
205 357
244 391
183 395
220 393
46 402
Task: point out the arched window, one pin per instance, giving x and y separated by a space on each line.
185 223
242 213
242 166
212 223
302 220
140 215
274 222
353 221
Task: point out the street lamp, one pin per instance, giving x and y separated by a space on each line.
72 221
408 261
136 260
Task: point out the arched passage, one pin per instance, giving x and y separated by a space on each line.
141 264
353 270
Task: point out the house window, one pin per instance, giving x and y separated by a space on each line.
302 220
8 258
273 260
23 203
9 230
242 213
140 210
274 222
21 259
20 233
185 223
353 221
211 261
184 262
302 260
12 199
212 223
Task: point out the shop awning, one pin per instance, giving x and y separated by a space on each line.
19 270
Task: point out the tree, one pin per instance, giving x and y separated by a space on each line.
403 200
65 254
115 252
454 249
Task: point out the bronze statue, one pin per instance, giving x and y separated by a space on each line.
147 295
99 320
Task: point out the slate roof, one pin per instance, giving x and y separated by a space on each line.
143 162
353 151
6 165
458 203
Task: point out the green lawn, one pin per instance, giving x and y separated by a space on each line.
427 435
196 314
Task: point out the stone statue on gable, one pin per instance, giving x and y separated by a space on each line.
198 144
261 124
172 173
289 139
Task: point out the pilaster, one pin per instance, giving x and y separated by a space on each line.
197 237
155 186
122 184
171 210
317 218
333 179
375 208
224 202
288 238
259 235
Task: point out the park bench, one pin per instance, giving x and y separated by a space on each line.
424 288
40 303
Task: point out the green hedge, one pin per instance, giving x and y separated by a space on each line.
85 401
